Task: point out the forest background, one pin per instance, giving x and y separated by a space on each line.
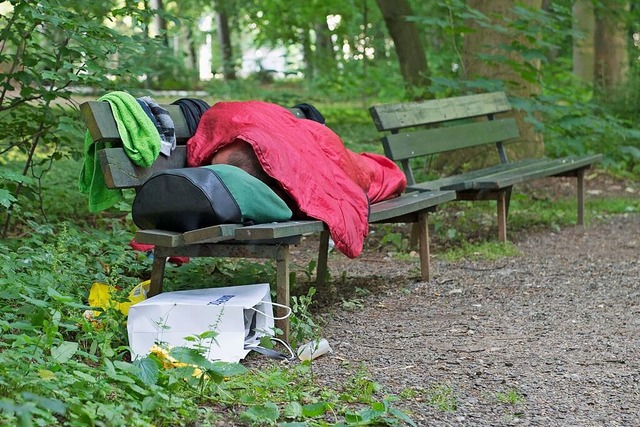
569 67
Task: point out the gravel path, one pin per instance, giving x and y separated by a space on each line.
547 338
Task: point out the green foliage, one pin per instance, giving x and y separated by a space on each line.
442 397
603 207
59 367
303 327
484 250
397 239
566 113
511 397
46 52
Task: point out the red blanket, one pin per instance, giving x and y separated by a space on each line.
326 181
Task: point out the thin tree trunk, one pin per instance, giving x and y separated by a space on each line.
193 50
224 38
408 45
159 23
309 59
584 23
324 55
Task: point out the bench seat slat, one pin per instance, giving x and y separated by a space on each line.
549 168
170 239
279 230
407 145
464 180
408 203
213 234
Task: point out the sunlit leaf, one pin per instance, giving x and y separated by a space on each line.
64 351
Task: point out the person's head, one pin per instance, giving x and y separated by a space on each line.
240 153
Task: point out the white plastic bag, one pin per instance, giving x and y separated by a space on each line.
240 315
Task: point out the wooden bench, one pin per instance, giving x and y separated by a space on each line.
263 241
427 128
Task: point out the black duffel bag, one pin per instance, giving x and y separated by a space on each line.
191 198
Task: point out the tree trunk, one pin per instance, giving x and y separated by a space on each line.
310 71
159 23
409 48
324 55
584 23
224 38
611 50
487 41
192 50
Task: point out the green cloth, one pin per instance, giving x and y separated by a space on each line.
140 141
257 201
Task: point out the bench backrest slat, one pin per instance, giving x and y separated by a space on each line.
392 117
119 171
102 126
407 145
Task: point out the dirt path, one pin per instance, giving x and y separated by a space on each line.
555 331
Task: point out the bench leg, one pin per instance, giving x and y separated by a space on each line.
502 216
282 288
423 236
322 269
580 188
157 272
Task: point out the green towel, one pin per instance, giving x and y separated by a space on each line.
140 141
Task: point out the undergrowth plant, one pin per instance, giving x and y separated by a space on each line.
58 366
442 397
511 397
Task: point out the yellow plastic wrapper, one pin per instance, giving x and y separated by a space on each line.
100 296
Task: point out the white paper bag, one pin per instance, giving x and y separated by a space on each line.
241 315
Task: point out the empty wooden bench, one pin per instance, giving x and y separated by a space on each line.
263 241
427 128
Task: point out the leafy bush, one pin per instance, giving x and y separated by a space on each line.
47 53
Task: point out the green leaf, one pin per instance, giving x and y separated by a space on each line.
634 151
370 415
53 405
148 370
293 410
261 413
208 334
218 370
15 177
84 376
64 351
190 356
315 409
402 416
6 198
228 369
353 418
